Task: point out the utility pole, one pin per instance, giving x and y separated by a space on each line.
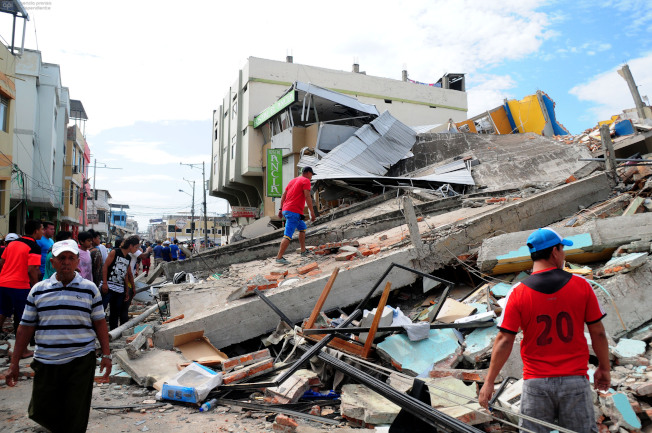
203 175
638 102
94 190
192 214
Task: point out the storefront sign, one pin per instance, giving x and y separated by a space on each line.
275 108
274 172
92 218
244 212
181 224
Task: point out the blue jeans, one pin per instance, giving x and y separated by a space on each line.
566 401
293 222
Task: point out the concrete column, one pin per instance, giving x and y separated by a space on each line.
627 75
609 156
356 68
413 226
289 59
404 75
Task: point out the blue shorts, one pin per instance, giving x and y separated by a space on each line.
293 222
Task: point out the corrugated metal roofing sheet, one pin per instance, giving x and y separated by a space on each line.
339 98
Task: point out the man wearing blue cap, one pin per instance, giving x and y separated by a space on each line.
551 307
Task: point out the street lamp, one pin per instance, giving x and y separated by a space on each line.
192 215
203 175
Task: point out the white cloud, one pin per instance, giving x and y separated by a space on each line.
151 64
488 91
152 153
609 91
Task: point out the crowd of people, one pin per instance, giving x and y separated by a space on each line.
58 289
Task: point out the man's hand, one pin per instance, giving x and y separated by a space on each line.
486 393
105 288
280 214
602 379
312 217
106 365
12 374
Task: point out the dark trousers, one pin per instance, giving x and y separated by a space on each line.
62 393
12 301
119 309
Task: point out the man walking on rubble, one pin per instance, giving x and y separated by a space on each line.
64 360
551 307
293 200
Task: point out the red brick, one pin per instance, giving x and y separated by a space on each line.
366 252
282 273
314 273
375 250
283 428
131 338
285 420
320 252
419 219
315 410
249 371
150 343
307 268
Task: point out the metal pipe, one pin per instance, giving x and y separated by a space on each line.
357 330
277 409
117 332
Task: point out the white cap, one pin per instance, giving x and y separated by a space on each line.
67 245
137 253
166 243
11 237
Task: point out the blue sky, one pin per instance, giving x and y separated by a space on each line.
151 75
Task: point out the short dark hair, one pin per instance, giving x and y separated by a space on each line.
63 235
130 241
46 224
84 236
31 226
94 233
176 241
542 254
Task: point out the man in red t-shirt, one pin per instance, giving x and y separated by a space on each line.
19 271
293 200
551 307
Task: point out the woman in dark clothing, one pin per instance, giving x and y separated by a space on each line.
116 274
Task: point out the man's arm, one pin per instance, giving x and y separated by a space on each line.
2 263
602 376
501 351
34 273
130 283
23 336
102 333
306 194
280 212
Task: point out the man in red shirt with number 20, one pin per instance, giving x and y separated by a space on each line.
551 307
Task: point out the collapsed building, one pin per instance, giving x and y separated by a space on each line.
419 238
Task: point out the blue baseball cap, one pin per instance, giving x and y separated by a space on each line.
545 238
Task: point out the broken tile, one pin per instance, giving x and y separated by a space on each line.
620 410
479 344
362 404
471 413
416 357
289 391
628 349
440 397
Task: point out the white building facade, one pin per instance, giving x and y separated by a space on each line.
237 166
42 115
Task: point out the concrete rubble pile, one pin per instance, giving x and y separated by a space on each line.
415 282
442 293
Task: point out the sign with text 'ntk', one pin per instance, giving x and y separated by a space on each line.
274 172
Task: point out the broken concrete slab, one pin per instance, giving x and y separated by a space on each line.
361 404
479 344
594 241
471 413
628 292
441 397
629 349
152 366
617 407
622 265
500 290
244 360
416 357
258 228
289 391
250 371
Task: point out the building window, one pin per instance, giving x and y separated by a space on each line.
244 89
95 193
244 131
4 113
72 192
188 231
172 228
234 110
233 147
101 216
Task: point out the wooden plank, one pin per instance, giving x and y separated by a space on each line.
340 344
322 299
377 317
634 206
